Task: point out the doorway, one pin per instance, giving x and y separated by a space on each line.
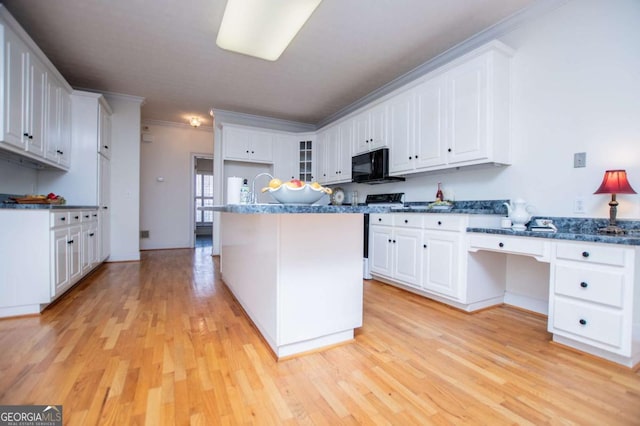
202 196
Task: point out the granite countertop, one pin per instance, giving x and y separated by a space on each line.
485 207
15 206
576 229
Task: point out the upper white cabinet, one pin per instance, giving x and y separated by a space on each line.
247 144
458 117
104 129
285 157
370 129
33 123
334 154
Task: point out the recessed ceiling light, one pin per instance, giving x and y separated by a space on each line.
263 28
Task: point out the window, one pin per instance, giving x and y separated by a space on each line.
204 197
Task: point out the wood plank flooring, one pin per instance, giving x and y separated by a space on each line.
164 342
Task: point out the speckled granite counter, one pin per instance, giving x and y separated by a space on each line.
576 229
13 206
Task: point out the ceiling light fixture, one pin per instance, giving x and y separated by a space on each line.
195 122
263 28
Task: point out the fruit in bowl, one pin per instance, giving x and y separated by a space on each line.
296 192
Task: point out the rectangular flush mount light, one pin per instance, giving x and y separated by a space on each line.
263 28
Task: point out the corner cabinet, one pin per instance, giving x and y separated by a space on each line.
457 116
34 124
46 253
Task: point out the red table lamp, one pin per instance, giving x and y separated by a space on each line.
614 182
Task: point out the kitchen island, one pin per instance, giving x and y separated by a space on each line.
296 271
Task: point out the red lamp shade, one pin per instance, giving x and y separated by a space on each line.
615 182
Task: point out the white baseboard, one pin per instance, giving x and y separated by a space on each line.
124 257
528 303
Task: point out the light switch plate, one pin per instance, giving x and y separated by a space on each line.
579 159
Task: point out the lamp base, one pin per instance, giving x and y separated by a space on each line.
611 229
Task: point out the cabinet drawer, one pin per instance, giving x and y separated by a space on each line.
89 216
380 219
606 255
75 216
588 321
536 247
408 220
604 287
444 222
59 219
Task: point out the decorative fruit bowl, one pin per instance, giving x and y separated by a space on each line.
296 192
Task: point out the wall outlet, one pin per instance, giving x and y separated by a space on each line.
579 159
578 205
144 234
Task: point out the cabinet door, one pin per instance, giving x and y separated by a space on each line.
378 126
345 141
64 129
361 137
15 84
332 155
86 246
35 113
104 199
402 154
467 90
75 253
261 147
440 263
380 250
285 157
235 143
430 124
104 131
52 139
60 264
321 159
406 248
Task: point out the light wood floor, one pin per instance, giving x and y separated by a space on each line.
163 342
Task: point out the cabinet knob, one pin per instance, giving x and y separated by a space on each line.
424 246
379 219
439 223
76 217
106 147
63 219
389 239
584 285
406 221
25 134
583 321
416 156
247 151
410 158
500 245
253 152
91 234
449 150
105 207
61 152
87 216
585 254
394 241
30 136
70 242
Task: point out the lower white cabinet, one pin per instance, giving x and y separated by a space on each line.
426 254
593 299
46 252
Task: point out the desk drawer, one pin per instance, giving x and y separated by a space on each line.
588 321
536 247
606 287
591 253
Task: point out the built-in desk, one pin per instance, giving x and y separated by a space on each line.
594 286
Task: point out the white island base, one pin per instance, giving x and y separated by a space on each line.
297 276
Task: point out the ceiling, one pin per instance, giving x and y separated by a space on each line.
165 51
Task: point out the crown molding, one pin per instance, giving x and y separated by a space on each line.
500 29
232 117
183 126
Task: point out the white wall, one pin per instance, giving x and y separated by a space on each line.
575 89
125 177
15 179
165 206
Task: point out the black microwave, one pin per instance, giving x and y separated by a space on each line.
372 167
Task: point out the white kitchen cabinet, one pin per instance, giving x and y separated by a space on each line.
58 135
285 157
306 159
44 255
24 124
440 263
370 128
380 250
478 107
593 299
90 241
104 194
407 255
402 150
247 144
335 153
104 129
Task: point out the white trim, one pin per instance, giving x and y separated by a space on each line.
231 117
526 302
148 122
